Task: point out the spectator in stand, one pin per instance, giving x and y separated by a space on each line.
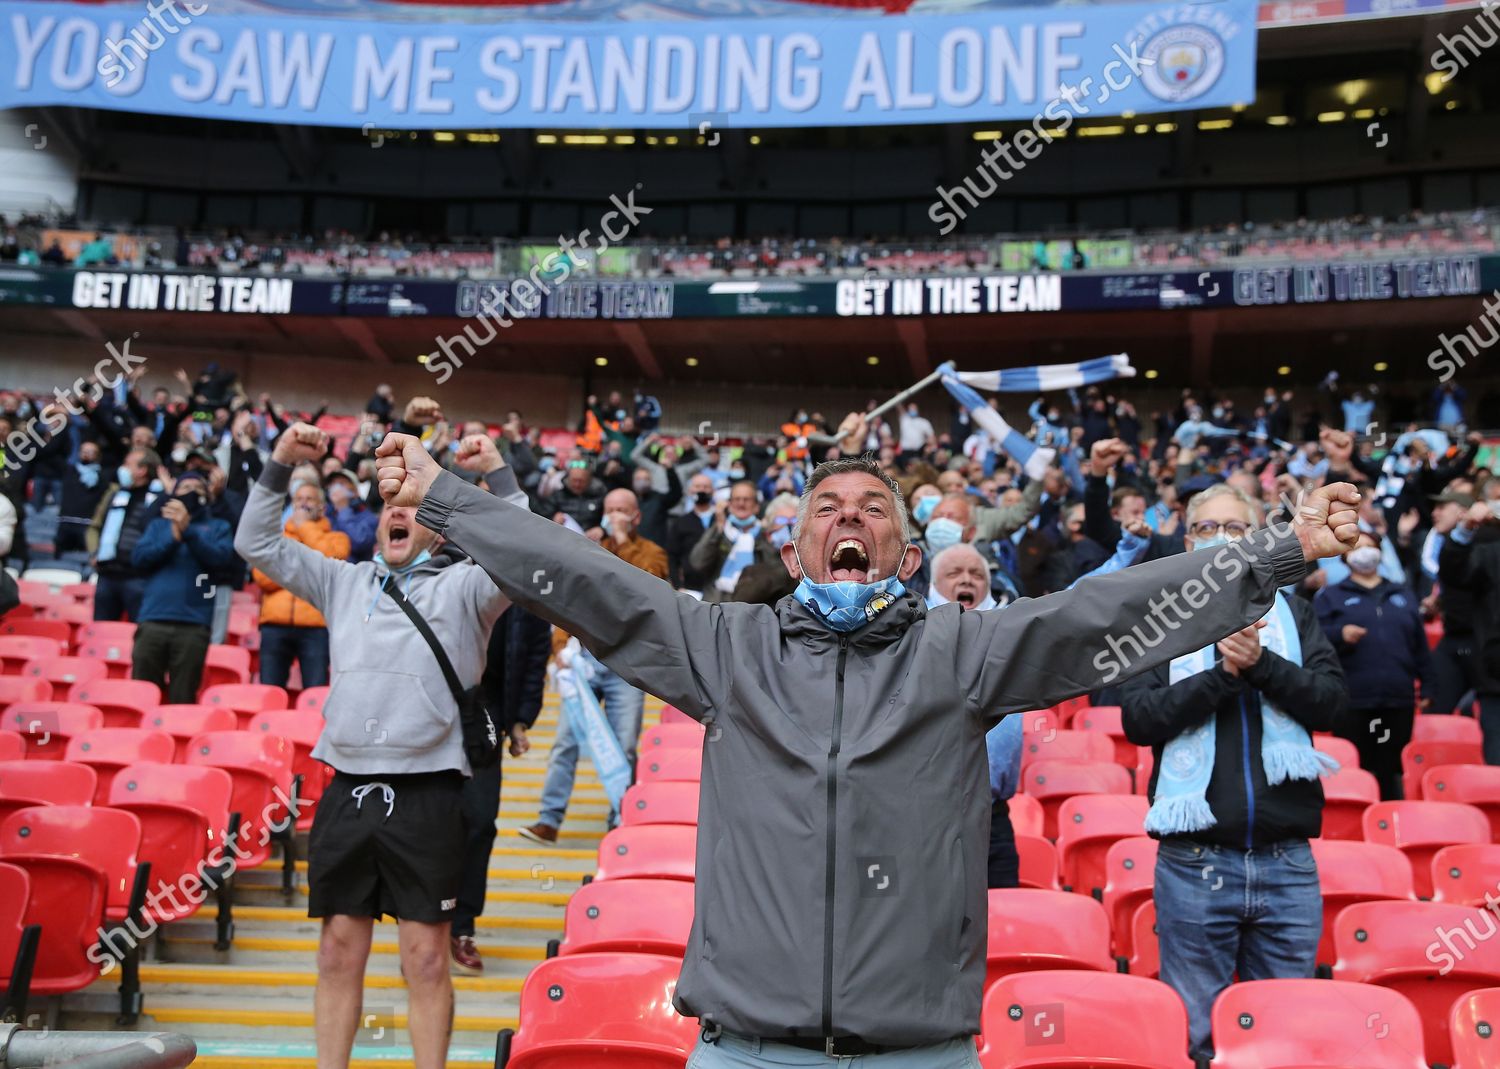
686 530
125 509
393 737
916 435
83 486
656 507
382 403
1376 629
1231 726
1448 406
8 521
349 514
1106 514
1429 475
852 666
622 703
731 543
49 464
1358 408
515 674
1455 670
290 628
240 454
1470 561
765 581
176 555
580 497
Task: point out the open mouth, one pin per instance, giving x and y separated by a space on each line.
398 537
849 561
966 598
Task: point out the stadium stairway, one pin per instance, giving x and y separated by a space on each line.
252 1007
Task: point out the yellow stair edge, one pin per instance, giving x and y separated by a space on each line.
292 914
301 1018
546 898
503 951
235 976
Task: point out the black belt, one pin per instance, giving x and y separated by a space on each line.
835 1046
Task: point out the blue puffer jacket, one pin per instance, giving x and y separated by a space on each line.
180 575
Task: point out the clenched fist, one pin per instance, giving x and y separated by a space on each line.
1327 520
298 443
404 470
477 453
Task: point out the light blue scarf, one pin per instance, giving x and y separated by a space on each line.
1187 762
741 552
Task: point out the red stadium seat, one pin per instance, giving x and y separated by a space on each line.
1430 952
83 592
1054 745
1418 757
261 767
15 689
1347 793
671 737
1038 863
302 729
108 839
17 650
69 611
116 632
669 764
657 851
47 726
57 630
183 722
1106 719
63 672
1026 815
18 942
1420 829
1087 825
1350 872
633 916
1057 1018
1145 761
1030 929
1040 722
1050 782
1145 949
122 701
246 699
1341 750
670 714
1471 1027
227 664
107 750
1129 879
312 699
183 812
667 802
12 746
115 656
1461 874
1476 785
48 782
597 1010
1310 1023
1437 727
67 900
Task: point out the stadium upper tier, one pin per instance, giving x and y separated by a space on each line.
386 256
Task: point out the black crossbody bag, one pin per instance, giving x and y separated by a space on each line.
481 743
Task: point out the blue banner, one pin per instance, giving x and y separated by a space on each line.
1050 66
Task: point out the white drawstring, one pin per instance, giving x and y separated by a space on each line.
386 791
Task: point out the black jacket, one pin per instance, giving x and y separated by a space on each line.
1155 712
1382 665
1099 525
656 509
683 533
1476 568
515 670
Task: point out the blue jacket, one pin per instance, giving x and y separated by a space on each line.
359 523
1381 668
180 575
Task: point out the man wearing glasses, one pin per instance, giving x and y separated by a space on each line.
1234 792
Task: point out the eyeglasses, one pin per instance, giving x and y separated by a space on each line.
1234 529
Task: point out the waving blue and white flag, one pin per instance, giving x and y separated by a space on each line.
1032 459
1045 377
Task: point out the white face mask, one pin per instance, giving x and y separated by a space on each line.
1363 561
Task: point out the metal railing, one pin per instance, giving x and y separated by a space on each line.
22 1048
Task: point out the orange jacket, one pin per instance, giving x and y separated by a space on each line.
280 606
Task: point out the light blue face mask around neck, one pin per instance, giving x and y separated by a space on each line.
846 606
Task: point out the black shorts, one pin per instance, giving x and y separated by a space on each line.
394 850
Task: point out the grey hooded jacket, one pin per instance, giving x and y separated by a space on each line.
844 821
390 710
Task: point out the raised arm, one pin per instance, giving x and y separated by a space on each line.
1041 651
668 643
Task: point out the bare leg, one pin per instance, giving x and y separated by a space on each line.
342 952
424 959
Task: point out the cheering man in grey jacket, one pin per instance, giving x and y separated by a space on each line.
393 736
842 833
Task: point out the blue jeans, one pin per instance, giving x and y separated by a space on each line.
622 705
1489 723
732 1052
118 596
1220 911
280 645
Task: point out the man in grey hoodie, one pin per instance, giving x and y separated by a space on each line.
393 737
840 899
